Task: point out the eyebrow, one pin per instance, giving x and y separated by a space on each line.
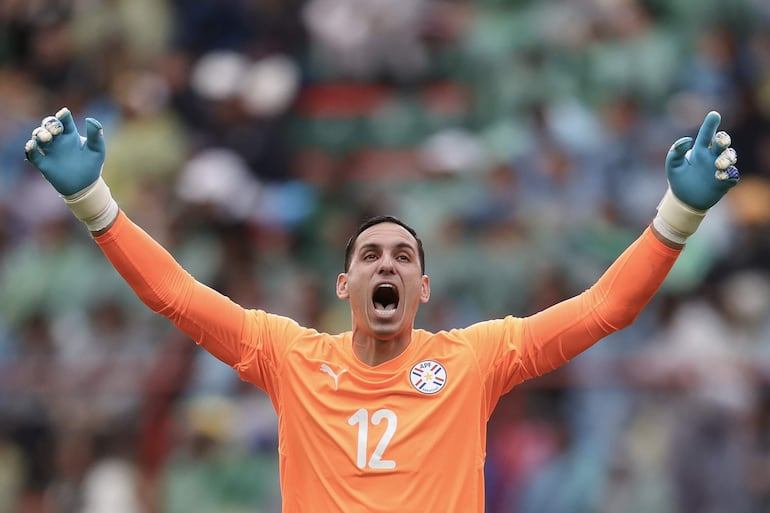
371 246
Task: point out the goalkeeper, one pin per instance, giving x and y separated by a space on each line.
385 417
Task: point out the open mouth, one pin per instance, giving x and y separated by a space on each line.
385 298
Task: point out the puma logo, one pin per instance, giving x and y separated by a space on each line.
336 377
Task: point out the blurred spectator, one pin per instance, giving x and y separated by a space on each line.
370 39
207 472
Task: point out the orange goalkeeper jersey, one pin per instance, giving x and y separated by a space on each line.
406 436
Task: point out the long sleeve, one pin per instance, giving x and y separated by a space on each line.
208 317
555 335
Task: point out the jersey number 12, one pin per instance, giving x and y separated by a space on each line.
361 417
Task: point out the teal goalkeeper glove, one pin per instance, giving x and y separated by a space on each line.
699 175
70 162
73 165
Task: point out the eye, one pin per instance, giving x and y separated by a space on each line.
403 258
369 257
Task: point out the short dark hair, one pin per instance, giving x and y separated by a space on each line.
372 221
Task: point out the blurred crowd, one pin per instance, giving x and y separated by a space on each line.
523 139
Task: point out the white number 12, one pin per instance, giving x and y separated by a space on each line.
361 417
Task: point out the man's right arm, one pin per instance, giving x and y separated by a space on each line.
208 317
73 165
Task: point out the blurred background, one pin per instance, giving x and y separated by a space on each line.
523 139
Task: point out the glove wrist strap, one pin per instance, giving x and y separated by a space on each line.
676 221
94 205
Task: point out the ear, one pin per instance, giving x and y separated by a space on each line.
425 289
342 286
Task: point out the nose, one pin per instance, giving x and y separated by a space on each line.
386 265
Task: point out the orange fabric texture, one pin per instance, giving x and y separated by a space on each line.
408 435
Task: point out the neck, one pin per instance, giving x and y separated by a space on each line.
374 351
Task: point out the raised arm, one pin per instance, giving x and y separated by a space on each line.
73 165
699 174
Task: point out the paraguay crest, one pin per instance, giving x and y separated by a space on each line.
428 377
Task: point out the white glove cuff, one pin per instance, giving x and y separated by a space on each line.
675 220
94 205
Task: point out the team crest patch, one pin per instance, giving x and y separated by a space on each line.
428 377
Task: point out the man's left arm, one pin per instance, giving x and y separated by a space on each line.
699 174
550 338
